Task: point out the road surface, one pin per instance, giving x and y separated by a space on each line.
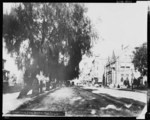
76 101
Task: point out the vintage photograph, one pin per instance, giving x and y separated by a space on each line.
75 59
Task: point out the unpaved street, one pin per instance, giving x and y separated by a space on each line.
76 101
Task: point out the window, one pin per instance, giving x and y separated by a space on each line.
127 66
122 66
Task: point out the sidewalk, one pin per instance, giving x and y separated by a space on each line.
136 95
10 101
130 89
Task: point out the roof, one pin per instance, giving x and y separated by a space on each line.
5 70
112 60
108 61
4 60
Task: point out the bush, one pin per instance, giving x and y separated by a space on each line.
135 81
128 84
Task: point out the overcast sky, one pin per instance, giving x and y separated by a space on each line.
116 24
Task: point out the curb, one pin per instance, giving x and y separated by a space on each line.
134 90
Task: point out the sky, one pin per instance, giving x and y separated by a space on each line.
117 24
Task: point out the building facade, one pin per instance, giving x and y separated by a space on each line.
119 68
5 75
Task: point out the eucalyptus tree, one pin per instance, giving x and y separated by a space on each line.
48 37
140 59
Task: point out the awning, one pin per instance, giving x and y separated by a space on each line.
6 71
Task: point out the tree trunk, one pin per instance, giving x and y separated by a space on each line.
24 91
41 86
54 84
48 83
35 87
26 88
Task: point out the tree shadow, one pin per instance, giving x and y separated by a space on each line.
34 102
89 90
125 107
125 103
90 101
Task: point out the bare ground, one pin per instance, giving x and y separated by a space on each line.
76 101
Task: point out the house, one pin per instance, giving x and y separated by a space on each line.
5 75
119 68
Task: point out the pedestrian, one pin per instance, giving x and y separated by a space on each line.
121 79
127 82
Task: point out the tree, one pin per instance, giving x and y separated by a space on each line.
104 79
140 59
38 34
125 82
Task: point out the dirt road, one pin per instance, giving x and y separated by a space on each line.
76 101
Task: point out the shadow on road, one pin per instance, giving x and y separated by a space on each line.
81 102
114 106
35 101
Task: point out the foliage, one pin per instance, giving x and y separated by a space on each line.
140 59
50 30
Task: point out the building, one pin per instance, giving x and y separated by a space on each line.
5 75
119 68
95 69
90 70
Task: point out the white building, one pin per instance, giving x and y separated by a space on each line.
90 68
120 67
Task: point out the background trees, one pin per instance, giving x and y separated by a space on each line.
48 37
140 59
